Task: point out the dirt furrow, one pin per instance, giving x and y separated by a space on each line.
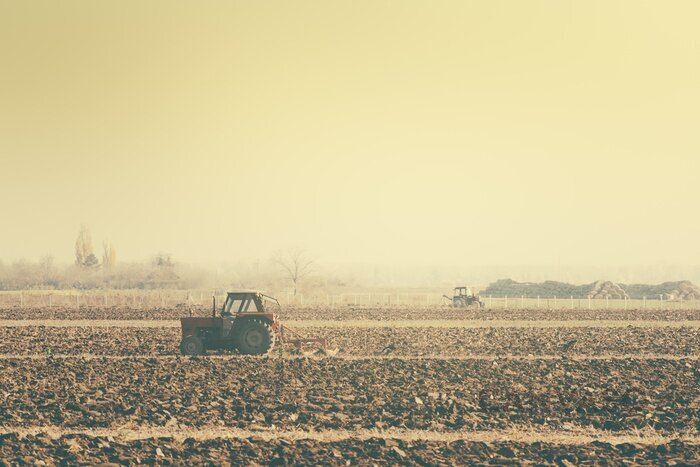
249 393
405 342
88 450
358 313
457 323
571 435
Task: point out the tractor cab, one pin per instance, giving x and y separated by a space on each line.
463 292
245 302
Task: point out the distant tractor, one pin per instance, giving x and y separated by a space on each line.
244 324
463 297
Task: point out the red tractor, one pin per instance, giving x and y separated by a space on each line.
243 324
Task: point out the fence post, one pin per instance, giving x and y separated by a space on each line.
77 299
490 298
555 302
589 302
505 304
21 299
522 301
644 302
50 304
572 302
607 302
538 301
398 300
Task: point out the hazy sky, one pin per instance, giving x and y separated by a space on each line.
491 132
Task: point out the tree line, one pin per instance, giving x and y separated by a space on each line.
288 270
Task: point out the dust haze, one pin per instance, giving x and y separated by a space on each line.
321 232
430 144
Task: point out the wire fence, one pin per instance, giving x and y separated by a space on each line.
174 298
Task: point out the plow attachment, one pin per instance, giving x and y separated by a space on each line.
290 336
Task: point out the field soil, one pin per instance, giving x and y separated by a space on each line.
415 386
379 341
79 449
353 314
352 394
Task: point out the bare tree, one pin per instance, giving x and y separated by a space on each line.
296 264
162 260
84 254
46 263
109 257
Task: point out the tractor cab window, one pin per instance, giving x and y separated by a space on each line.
249 306
233 306
239 305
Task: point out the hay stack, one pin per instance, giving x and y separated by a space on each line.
607 289
685 290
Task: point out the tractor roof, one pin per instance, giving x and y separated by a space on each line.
235 291
238 293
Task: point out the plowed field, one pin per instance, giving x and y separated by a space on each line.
351 313
435 388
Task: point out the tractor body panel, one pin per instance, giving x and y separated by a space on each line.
192 326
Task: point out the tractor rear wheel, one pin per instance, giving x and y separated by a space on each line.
254 337
191 345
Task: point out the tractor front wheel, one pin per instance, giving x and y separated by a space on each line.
254 337
191 345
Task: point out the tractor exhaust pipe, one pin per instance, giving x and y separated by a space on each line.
213 306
